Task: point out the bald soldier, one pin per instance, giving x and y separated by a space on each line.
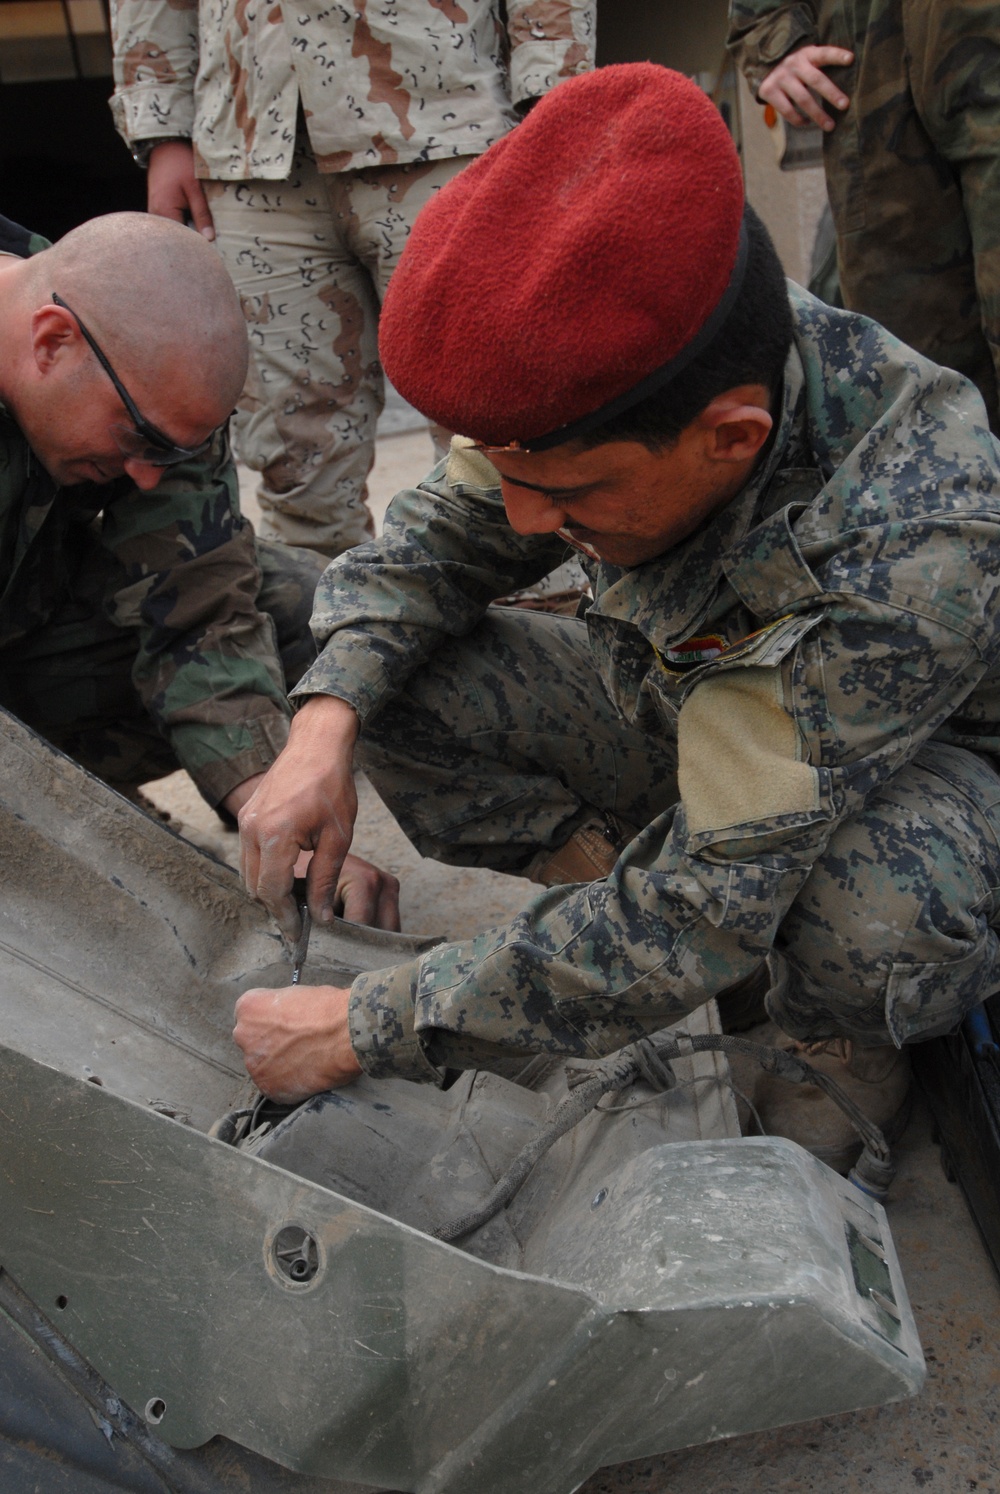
134 626
760 767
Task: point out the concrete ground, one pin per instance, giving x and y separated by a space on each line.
948 1439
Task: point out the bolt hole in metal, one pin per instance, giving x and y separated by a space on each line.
155 1410
62 1302
295 1254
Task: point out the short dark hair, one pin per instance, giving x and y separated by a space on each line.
750 347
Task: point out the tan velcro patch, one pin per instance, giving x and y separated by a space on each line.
738 750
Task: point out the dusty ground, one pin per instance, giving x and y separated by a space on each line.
948 1439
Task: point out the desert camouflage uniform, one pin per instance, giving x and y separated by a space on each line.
142 631
320 132
798 705
913 166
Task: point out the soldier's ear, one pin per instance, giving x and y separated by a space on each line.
738 423
55 337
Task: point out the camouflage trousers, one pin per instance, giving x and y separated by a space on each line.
505 741
311 257
913 172
71 679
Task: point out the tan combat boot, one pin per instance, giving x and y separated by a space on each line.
876 1079
588 855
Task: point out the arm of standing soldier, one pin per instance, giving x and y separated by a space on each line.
797 84
776 47
173 190
762 32
156 50
545 48
206 668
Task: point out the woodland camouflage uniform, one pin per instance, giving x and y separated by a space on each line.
140 631
320 132
913 165
797 708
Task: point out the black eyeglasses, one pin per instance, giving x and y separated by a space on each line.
140 442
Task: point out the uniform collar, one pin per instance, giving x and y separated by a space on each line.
666 598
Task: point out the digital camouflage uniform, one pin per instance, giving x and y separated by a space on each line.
320 132
784 703
140 631
913 165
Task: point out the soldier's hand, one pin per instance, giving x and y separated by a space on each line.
367 895
796 86
296 1041
306 802
173 190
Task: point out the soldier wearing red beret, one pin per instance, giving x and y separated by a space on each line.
761 763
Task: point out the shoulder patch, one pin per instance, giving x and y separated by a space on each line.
739 762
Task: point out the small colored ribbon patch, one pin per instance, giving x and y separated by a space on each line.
696 650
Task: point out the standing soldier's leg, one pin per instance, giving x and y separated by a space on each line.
314 394
905 251
379 207
955 67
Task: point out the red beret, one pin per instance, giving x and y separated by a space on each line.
571 268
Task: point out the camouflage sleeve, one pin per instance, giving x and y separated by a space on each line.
447 551
549 40
155 61
207 669
761 32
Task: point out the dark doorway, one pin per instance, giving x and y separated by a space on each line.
61 160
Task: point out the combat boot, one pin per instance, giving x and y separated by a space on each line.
588 856
876 1079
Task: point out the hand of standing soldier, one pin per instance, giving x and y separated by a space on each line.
173 190
792 86
307 802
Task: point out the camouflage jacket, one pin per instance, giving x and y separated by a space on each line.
407 80
851 595
761 32
206 667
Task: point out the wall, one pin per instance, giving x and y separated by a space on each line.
789 202
60 158
689 35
